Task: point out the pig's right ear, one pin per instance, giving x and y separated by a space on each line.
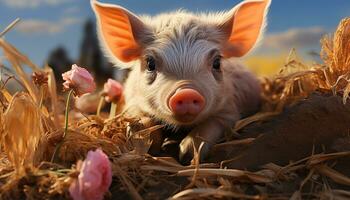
244 26
119 31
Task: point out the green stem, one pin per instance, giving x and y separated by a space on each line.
113 110
100 106
57 149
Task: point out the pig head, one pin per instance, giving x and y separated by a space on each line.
184 66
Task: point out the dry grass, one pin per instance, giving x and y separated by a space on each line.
29 134
296 80
21 144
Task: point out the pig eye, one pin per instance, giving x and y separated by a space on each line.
217 63
151 63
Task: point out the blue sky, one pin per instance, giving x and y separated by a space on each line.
47 24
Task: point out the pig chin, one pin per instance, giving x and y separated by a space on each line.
185 119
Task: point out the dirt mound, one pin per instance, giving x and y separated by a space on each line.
318 124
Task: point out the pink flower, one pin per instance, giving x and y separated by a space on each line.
112 90
79 79
94 179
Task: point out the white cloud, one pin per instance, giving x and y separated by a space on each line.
36 26
294 38
31 3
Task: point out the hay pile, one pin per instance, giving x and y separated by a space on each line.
32 125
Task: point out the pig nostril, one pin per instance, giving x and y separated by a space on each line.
186 102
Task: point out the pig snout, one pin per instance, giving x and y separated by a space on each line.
186 104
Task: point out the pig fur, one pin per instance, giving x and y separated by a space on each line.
184 45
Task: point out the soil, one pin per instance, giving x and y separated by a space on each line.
320 123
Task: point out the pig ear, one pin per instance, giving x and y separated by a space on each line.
244 27
119 30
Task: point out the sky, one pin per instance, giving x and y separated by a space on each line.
46 24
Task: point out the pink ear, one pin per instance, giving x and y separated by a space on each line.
116 29
245 27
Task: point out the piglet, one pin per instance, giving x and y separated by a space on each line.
184 66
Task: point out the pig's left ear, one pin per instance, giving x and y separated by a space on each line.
120 31
244 27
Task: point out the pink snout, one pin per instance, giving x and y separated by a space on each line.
186 103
